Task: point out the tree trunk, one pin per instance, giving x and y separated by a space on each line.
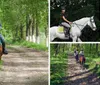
21 31
16 33
90 48
46 34
27 26
56 49
37 30
96 48
33 27
63 47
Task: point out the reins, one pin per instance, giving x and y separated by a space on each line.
82 25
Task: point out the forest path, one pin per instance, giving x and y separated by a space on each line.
24 66
77 76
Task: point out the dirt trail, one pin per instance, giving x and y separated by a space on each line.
77 76
24 66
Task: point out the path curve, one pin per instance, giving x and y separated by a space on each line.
77 76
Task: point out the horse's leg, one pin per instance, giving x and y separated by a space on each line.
51 38
74 38
79 40
82 65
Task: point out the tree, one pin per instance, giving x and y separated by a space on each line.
24 19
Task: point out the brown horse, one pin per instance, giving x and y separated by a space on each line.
82 61
1 51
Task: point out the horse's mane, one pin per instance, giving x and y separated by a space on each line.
81 20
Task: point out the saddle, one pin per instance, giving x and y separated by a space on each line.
61 29
65 30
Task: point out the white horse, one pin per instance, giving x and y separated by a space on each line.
76 28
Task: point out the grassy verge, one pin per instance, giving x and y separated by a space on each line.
91 62
29 45
58 69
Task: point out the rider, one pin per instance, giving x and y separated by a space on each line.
64 22
76 54
81 53
3 43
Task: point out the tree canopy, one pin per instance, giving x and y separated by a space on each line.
23 18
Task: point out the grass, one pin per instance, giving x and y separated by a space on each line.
97 60
58 69
29 45
91 63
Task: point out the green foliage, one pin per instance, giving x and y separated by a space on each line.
92 55
59 60
58 69
13 17
58 66
29 45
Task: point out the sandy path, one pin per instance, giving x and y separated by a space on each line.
24 66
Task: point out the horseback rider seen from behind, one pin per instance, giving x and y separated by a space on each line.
3 43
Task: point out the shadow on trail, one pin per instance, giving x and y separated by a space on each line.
90 79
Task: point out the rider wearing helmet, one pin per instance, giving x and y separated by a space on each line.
81 53
3 43
64 22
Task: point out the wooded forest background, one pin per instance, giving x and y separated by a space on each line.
59 54
24 20
77 9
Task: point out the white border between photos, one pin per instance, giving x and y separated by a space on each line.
75 42
49 42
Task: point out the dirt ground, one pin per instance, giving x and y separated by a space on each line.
24 66
78 76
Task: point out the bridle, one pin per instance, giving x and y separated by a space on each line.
91 20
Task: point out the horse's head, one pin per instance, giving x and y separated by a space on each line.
92 23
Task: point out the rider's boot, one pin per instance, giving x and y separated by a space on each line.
66 32
4 49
